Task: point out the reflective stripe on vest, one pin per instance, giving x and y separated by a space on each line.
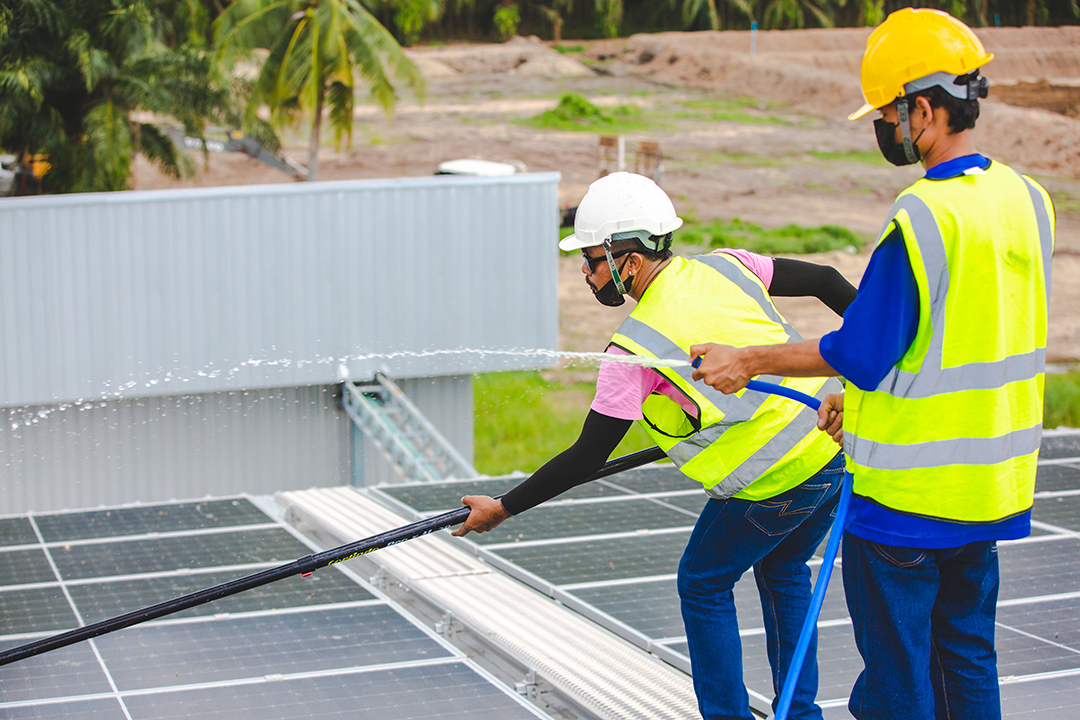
781 431
929 416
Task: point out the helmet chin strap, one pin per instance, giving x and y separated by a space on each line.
910 149
615 274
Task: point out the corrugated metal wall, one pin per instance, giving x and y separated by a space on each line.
112 452
215 289
177 344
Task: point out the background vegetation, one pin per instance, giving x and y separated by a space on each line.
76 75
589 19
522 421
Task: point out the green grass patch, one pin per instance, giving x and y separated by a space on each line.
731 116
522 421
569 49
728 104
575 113
786 240
862 156
1061 402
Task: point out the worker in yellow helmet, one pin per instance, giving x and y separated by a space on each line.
944 351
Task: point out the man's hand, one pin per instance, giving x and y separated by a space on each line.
487 514
831 416
720 367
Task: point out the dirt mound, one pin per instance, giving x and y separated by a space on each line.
517 56
1042 95
818 70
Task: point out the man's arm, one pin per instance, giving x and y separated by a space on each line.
728 369
574 466
798 278
879 327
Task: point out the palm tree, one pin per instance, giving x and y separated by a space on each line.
608 17
316 51
782 14
694 9
73 73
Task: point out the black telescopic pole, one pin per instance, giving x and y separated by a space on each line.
303 566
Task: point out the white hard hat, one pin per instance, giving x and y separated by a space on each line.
619 203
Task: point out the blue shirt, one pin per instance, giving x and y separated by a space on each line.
879 327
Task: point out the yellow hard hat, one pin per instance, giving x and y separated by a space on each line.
910 45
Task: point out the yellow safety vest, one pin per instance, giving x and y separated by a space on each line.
747 445
953 431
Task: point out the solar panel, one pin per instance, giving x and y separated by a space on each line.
35 610
148 519
282 643
322 646
329 646
629 578
98 601
597 518
448 692
16 531
205 550
23 567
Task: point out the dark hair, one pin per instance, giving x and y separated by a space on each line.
635 245
962 113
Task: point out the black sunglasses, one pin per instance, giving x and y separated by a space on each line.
594 262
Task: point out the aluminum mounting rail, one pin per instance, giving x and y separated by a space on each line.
415 448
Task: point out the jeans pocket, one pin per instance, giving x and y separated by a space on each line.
785 512
901 557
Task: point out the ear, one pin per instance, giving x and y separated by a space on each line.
923 108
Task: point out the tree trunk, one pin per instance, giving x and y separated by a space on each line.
313 144
1031 12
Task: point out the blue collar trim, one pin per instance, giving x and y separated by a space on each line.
956 167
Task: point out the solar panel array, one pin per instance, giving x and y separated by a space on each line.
326 646
333 646
611 549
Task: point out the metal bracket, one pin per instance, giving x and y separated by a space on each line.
447 626
379 580
529 687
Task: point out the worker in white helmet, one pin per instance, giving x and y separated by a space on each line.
771 475
944 352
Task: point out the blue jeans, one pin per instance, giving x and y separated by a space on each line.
924 625
775 537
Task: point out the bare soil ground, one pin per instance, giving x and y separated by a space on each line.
761 137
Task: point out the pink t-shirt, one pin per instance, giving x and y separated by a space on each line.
621 388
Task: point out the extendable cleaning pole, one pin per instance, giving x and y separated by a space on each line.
304 566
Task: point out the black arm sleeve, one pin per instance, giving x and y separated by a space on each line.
798 278
573 466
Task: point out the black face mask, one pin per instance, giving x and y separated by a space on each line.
893 151
609 294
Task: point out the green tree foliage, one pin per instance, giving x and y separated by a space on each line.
507 19
607 18
316 51
76 74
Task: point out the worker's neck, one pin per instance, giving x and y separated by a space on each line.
644 278
947 147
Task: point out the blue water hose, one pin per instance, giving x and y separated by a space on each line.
783 705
